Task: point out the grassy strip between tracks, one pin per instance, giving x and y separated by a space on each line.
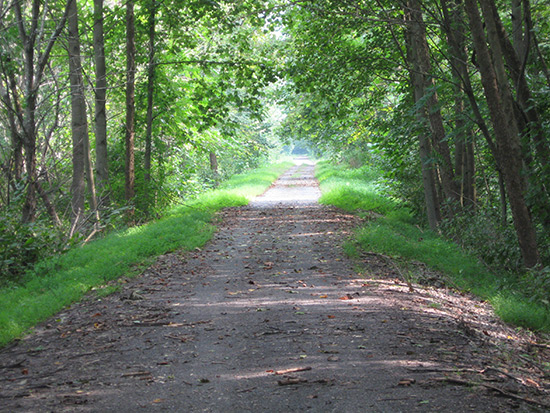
62 280
390 230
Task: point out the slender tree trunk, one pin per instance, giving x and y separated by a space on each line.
452 22
150 90
33 70
90 179
214 167
464 143
130 101
425 152
499 100
529 120
29 123
102 164
15 163
50 208
420 44
79 125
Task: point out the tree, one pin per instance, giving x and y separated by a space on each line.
100 94
130 102
500 103
36 54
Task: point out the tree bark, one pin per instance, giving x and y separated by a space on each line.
425 152
465 141
460 59
499 101
529 120
420 44
50 208
79 124
101 153
11 101
130 102
33 70
214 167
150 90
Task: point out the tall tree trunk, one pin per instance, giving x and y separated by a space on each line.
529 120
150 90
102 164
79 124
499 101
425 152
130 101
464 143
420 44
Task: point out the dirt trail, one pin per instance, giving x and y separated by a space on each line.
272 317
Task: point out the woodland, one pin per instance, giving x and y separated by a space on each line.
113 112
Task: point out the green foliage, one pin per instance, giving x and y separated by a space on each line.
482 234
58 281
21 245
520 299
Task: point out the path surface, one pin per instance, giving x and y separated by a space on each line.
269 317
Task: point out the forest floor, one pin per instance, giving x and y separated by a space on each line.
271 316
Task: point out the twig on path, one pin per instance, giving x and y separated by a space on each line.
13 365
533 364
503 392
246 390
391 399
540 345
291 380
443 370
137 374
468 370
15 396
294 370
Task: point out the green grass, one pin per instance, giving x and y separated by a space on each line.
394 233
60 281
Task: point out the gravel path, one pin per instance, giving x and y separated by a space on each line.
272 317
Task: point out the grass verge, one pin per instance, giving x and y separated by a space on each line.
394 233
62 280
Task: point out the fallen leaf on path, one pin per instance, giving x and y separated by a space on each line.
323 296
406 382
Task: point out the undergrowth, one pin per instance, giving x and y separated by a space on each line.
391 230
59 281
